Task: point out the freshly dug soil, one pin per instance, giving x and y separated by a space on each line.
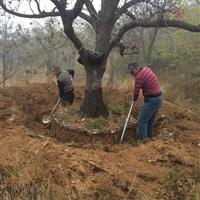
61 162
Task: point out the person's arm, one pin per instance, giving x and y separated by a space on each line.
136 92
60 88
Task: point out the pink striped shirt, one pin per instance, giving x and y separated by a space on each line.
147 81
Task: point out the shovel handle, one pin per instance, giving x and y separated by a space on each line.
129 113
54 108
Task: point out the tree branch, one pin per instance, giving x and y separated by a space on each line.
123 48
61 6
30 7
58 4
40 15
131 15
125 7
78 7
10 75
161 8
108 12
87 18
91 9
149 24
38 5
68 17
43 14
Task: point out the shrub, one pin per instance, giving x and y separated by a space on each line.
99 123
117 109
180 186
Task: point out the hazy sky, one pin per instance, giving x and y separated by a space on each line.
46 5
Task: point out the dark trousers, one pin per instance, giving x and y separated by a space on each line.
67 98
147 116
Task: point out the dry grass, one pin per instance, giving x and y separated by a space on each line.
181 186
13 187
183 91
180 89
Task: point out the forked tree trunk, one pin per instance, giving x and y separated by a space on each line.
93 105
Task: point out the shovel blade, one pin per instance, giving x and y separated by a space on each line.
46 119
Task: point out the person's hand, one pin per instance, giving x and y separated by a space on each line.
133 99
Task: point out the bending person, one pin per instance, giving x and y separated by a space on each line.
147 81
65 85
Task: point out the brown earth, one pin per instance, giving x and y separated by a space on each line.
35 165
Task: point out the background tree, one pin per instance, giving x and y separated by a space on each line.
159 14
13 39
6 42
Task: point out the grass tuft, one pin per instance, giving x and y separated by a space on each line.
117 109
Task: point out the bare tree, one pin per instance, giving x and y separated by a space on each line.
106 38
4 45
147 38
7 41
12 48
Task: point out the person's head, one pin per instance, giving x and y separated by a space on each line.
56 70
133 68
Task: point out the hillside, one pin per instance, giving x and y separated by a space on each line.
55 162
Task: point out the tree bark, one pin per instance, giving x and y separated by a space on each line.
110 82
4 51
111 68
4 69
93 105
152 38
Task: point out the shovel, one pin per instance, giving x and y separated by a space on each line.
47 119
129 113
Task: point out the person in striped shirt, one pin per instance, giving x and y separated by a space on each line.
147 81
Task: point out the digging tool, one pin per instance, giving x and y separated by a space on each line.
129 113
47 119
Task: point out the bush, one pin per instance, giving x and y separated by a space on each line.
180 186
117 109
191 89
99 123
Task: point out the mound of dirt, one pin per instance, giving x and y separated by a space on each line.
32 100
37 165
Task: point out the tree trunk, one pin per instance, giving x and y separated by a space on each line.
93 105
152 38
110 82
111 71
49 63
4 69
4 53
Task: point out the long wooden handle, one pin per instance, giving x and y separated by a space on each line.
129 113
54 108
